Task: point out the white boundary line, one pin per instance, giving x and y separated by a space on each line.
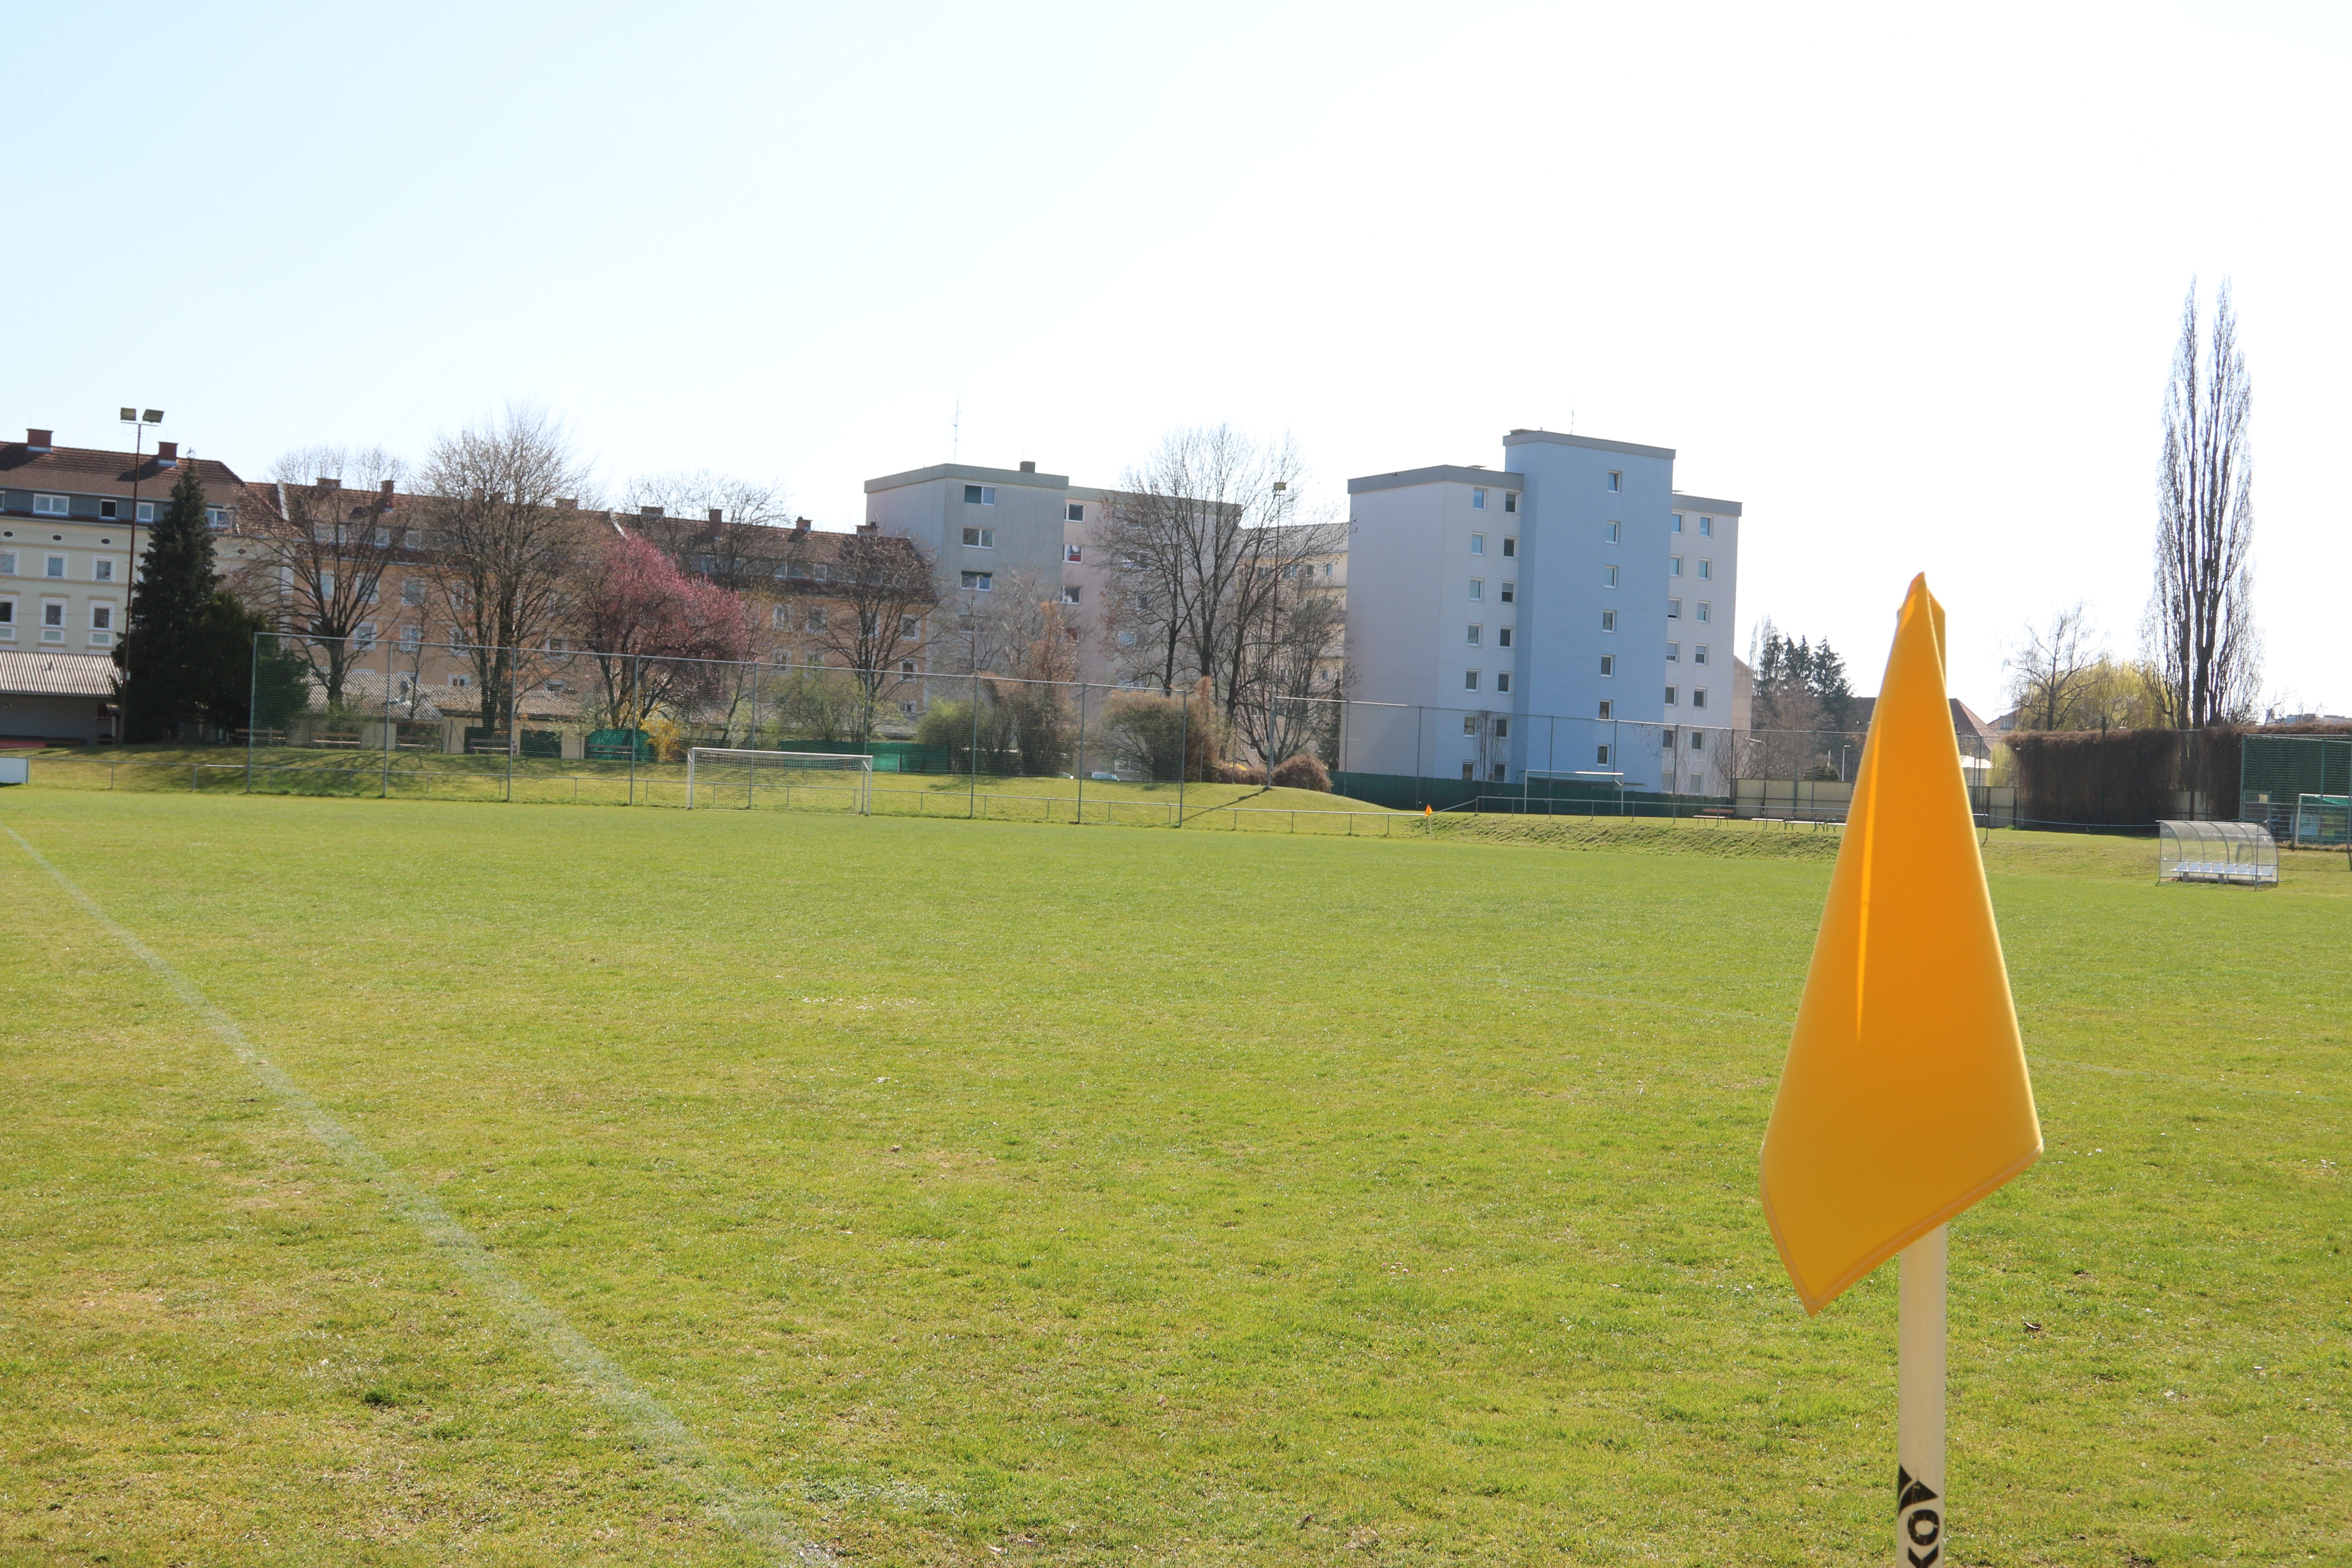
673 1444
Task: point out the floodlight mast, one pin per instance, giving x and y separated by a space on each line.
137 421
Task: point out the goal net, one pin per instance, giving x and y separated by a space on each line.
721 776
2320 819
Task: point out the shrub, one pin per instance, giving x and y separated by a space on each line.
1302 771
1240 773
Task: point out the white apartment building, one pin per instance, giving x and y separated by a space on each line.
1568 613
70 520
992 529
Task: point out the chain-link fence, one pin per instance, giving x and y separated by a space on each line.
452 721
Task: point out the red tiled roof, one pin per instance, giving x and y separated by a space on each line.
87 471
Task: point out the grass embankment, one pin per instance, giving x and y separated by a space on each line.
435 775
1026 1195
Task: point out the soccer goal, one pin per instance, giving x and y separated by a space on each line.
723 776
2321 819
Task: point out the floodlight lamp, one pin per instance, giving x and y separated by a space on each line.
131 416
154 416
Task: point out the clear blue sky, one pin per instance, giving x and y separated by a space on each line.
1904 282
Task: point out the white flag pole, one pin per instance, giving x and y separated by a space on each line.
1919 1508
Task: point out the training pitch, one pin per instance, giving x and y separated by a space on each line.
413 1182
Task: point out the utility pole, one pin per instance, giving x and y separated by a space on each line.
137 421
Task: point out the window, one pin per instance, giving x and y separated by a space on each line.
108 509
1070 553
412 592
1469 723
102 569
1707 528
101 617
1127 639
1703 608
559 645
7 620
1609 576
1468 772
910 626
1510 546
1502 684
1600 755
1502 637
1609 663
1477 544
978 582
906 667
1077 512
1674 609
780 618
411 634
1469 680
49 506
1673 652
216 516
1615 530
1475 629
1706 570
1607 709
1698 741
326 586
816 619
1616 481
7 564
460 680
1608 620
980 495
1496 773
1070 594
1510 593
1510 501
1699 653
1678 523
1670 696
146 512
1699 696
1477 499
384 541
1477 589
1667 740
55 566
363 637
980 538
1674 565
53 620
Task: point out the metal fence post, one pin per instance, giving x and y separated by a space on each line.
629 685
971 799
514 714
252 705
391 725
1183 750
1080 758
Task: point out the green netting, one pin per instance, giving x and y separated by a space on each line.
2276 772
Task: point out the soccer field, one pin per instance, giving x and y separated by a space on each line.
643 1187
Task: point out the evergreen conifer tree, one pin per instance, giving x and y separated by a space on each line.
165 651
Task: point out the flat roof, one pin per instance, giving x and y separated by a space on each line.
1591 443
967 471
1705 503
1442 474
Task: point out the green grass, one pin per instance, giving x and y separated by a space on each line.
1106 1196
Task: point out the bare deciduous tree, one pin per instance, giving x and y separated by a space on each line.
1214 569
2053 671
326 534
2200 624
882 589
503 535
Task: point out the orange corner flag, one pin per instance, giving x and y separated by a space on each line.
1904 1098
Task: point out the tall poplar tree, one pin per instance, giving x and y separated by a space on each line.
165 650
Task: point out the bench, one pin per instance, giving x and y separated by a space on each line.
262 737
336 737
